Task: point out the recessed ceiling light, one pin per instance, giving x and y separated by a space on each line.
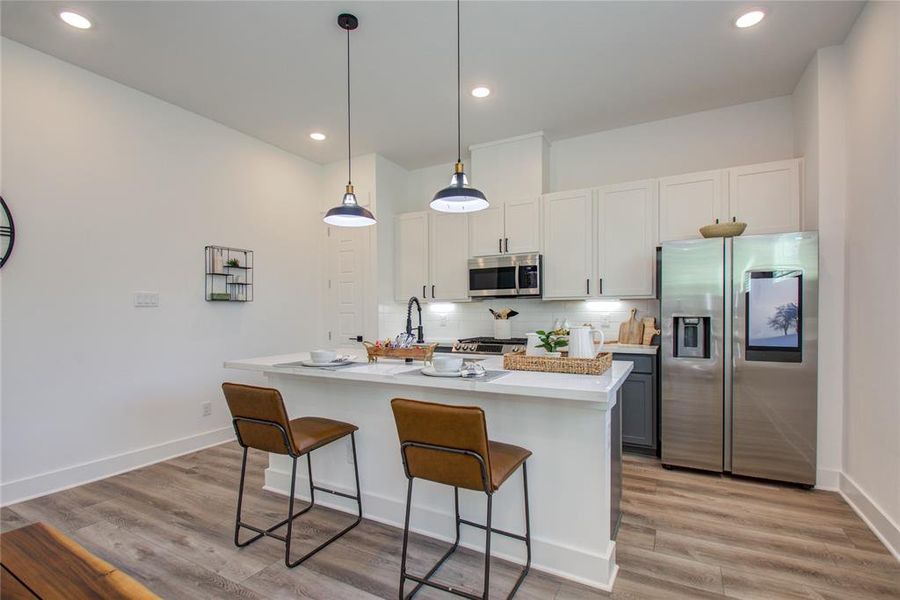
749 19
318 136
481 92
75 20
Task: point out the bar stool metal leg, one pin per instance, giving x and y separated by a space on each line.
289 521
488 529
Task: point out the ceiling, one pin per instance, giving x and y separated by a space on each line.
276 70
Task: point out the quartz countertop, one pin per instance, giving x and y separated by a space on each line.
596 389
629 348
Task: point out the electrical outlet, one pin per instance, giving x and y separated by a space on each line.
443 321
207 408
146 299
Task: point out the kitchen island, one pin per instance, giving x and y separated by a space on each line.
570 422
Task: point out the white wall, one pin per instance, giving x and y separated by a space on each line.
872 350
819 138
805 112
737 135
114 191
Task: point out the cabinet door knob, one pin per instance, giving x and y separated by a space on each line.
507 244
424 295
601 285
432 291
588 281
499 244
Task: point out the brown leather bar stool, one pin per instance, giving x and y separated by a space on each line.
449 445
261 422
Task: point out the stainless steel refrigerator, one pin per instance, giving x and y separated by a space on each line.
739 355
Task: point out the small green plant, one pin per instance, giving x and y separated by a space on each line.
552 341
233 262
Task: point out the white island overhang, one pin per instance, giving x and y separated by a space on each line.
571 423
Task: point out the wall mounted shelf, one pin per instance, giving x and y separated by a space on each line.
228 282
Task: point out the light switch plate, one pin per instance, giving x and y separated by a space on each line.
146 299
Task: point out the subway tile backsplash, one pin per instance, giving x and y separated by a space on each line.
451 321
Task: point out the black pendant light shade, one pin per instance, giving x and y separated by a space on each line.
349 213
459 196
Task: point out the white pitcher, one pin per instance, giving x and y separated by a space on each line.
581 342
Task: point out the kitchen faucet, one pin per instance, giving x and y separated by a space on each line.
420 338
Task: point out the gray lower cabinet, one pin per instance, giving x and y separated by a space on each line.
639 404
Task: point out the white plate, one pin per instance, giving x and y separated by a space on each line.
432 372
333 363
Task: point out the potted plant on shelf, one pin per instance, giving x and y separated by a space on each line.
233 262
551 342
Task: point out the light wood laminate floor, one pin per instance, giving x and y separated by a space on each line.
684 535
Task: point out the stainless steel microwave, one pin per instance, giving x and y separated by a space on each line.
505 275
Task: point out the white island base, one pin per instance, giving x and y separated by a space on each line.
570 422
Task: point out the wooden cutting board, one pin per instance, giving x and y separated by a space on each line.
632 330
650 330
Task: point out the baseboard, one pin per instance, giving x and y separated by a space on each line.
828 480
567 562
874 516
12 492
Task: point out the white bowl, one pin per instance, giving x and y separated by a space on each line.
322 356
446 364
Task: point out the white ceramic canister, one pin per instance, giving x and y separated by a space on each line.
502 329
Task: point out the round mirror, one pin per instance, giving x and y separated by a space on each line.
7 232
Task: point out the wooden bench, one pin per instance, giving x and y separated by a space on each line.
39 561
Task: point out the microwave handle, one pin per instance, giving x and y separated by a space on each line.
517 279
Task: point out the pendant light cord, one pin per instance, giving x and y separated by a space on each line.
349 171
458 93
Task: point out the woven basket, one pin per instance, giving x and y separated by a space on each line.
518 361
423 353
723 230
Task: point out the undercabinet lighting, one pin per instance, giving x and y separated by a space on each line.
441 307
481 92
318 136
603 305
749 19
75 20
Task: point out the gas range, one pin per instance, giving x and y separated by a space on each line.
483 345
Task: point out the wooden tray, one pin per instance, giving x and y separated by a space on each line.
517 361
423 352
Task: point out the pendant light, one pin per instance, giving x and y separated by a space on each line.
349 213
459 196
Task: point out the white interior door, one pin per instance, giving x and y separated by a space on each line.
348 252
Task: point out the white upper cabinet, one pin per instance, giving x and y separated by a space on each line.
626 239
486 231
568 244
766 196
523 226
506 227
688 202
410 256
448 257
